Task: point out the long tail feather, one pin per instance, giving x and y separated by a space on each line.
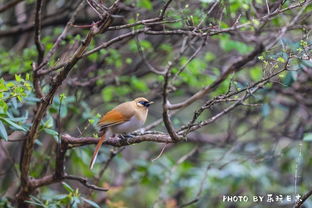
97 149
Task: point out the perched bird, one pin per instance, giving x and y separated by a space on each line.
124 118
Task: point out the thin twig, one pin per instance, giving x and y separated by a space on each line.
235 66
151 68
84 182
160 154
59 39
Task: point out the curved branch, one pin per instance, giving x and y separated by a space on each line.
84 182
51 179
163 11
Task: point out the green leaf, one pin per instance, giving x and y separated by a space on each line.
62 96
67 187
166 47
280 59
289 79
128 60
307 137
255 73
107 93
229 45
19 98
60 196
307 63
196 66
10 84
3 106
34 203
209 56
14 125
138 84
92 203
93 57
3 132
49 122
75 202
18 78
51 132
146 4
27 77
145 44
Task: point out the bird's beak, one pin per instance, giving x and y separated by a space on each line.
149 103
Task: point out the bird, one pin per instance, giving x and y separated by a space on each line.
124 118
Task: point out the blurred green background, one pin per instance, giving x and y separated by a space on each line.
261 147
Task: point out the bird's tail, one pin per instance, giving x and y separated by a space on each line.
97 149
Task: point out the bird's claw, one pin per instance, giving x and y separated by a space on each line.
127 137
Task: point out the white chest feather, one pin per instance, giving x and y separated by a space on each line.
128 126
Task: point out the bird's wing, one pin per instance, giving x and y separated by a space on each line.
112 118
115 116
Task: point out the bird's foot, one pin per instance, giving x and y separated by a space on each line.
127 137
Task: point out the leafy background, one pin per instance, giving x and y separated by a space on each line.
262 147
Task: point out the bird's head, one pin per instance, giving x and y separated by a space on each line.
142 102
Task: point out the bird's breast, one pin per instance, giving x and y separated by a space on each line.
131 125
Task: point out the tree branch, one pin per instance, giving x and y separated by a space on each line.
84 182
303 199
163 11
234 67
59 39
9 5
40 49
26 187
39 45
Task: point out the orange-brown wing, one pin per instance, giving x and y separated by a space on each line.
112 117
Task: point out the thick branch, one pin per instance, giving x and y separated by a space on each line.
40 49
303 199
117 142
39 45
26 186
157 137
163 11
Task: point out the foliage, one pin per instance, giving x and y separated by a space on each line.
12 96
72 199
247 64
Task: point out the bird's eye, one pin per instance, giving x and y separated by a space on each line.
144 103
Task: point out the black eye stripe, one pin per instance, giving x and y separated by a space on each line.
145 103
